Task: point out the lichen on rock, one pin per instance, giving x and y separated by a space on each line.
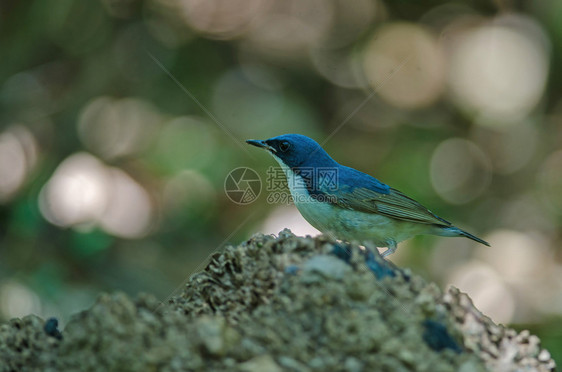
281 303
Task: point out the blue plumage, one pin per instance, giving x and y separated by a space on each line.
347 203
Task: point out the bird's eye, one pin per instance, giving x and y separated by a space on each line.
284 146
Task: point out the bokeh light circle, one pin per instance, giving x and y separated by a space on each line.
460 170
117 127
498 70
290 27
486 288
405 64
84 193
222 19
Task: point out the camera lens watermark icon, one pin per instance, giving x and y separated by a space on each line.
242 185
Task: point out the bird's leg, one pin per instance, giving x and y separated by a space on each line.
391 248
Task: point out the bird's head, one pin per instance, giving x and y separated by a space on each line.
295 150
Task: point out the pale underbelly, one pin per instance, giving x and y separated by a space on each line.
350 225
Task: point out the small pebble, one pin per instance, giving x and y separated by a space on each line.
437 336
51 328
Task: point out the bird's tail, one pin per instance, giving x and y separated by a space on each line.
455 231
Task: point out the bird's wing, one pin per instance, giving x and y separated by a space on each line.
393 204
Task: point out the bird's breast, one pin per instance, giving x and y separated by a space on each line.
315 209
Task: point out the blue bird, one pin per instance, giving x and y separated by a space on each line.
347 203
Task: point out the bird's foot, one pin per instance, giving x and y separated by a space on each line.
390 249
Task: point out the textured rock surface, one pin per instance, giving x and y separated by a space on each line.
278 304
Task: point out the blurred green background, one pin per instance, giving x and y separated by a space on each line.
121 119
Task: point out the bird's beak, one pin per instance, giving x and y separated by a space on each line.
262 144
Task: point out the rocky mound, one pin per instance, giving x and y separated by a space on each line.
279 304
